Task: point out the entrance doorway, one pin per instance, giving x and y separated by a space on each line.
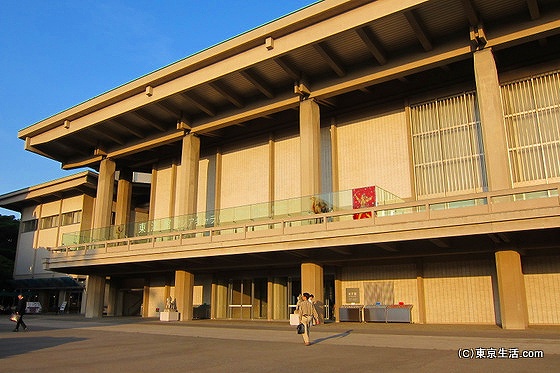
247 299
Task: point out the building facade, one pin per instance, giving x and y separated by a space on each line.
368 152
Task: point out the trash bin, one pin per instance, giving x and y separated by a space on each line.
351 313
375 313
399 313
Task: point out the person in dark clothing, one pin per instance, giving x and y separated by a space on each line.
20 311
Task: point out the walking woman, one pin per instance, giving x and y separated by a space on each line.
307 313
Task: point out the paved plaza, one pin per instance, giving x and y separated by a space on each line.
71 343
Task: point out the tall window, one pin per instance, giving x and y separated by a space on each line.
532 117
28 225
72 217
49 222
447 146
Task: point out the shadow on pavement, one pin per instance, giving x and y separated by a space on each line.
339 335
17 346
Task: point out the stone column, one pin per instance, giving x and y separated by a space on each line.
184 282
492 120
146 300
312 282
511 290
95 296
104 199
112 298
310 147
338 301
124 201
187 178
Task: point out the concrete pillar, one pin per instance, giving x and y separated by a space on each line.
492 120
218 306
184 282
270 299
146 301
104 197
310 147
421 293
95 296
280 298
511 290
124 200
187 178
337 294
312 282
112 297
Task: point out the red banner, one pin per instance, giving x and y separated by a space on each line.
363 197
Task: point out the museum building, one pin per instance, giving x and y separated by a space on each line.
373 153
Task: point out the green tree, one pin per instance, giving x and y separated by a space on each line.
9 228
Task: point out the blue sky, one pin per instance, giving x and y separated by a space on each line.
57 54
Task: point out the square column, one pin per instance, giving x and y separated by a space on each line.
492 120
184 282
95 296
124 199
310 147
104 197
511 290
187 178
312 282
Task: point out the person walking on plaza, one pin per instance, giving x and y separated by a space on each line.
20 311
307 314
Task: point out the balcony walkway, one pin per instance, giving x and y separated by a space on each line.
520 209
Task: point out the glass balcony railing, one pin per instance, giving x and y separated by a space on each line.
293 207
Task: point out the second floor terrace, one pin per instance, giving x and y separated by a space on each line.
361 223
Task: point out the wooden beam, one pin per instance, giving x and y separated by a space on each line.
372 44
471 13
258 82
330 58
534 9
227 94
108 135
147 143
150 119
127 127
288 68
414 22
199 103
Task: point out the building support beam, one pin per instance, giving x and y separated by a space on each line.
492 120
312 282
104 197
124 199
511 290
310 144
95 296
187 178
184 283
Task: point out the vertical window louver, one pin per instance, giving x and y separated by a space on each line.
532 119
447 146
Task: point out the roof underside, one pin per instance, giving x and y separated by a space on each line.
222 107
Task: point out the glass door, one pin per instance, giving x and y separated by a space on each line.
240 294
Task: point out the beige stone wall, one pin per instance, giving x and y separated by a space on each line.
459 292
245 175
287 177
373 150
542 285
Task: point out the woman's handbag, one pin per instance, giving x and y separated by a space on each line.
14 317
294 319
301 329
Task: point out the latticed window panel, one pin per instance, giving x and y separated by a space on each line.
447 146
532 119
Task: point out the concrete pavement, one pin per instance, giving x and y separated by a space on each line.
71 343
